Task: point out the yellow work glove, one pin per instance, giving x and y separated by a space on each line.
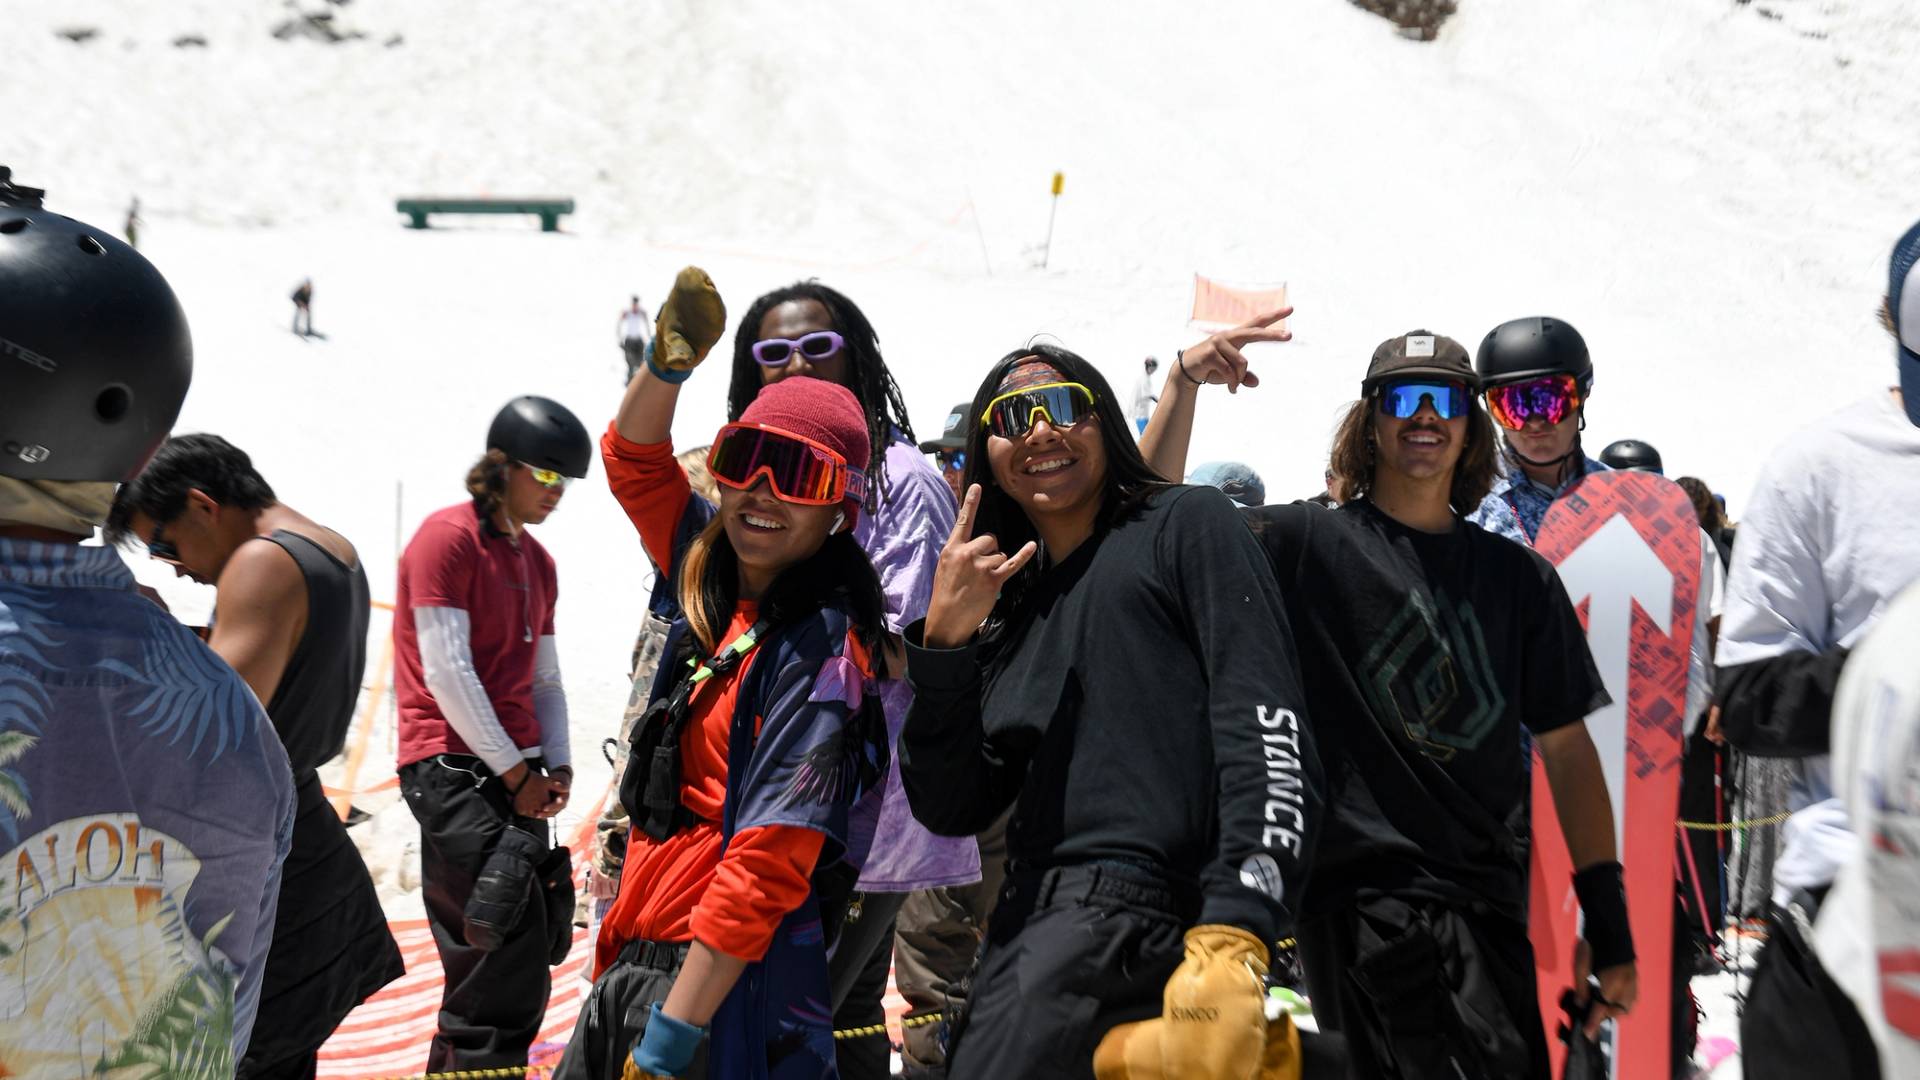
1213 1022
689 323
1282 1061
634 1072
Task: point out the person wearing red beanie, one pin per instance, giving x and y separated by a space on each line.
941 887
760 735
825 412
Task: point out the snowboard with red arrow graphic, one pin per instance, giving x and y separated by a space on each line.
1627 547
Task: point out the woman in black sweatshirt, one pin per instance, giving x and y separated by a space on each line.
1108 654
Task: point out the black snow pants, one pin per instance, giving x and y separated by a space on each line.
1420 988
1071 953
493 1002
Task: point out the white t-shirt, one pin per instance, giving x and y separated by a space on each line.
1868 930
1830 537
1144 397
634 326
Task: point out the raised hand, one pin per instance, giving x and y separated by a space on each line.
689 323
1218 358
968 578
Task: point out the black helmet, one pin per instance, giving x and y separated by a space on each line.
95 356
1632 454
1529 348
541 432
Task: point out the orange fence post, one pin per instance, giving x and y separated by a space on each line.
357 749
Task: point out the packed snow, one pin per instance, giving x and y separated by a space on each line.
1706 190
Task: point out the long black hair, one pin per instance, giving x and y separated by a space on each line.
1128 482
873 384
838 575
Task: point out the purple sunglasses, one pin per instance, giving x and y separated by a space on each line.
777 352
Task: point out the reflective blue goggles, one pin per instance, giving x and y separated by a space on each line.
1401 400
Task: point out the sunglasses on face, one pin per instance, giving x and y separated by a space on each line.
1553 399
1010 415
952 460
798 469
1401 400
778 352
546 478
159 547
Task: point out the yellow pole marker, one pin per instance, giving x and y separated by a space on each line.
1059 183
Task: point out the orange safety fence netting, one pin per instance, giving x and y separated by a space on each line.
388 1034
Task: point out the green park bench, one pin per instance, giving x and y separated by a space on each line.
549 209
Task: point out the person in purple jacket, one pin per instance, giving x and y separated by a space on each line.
812 330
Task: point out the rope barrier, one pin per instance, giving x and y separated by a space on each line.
475 1073
881 1029
1728 826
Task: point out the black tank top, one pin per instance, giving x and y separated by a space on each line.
313 705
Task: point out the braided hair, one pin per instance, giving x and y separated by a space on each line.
872 384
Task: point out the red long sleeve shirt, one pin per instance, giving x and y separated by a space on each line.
687 887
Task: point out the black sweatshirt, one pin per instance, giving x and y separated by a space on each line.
1143 704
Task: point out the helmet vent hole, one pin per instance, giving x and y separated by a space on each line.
112 404
13 225
91 246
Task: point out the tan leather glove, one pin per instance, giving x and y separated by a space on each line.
1213 1022
689 323
1283 1060
635 1072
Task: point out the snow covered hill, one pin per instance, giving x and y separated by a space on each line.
1707 192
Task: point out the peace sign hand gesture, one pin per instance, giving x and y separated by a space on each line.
1218 358
968 578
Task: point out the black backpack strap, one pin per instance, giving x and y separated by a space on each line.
650 789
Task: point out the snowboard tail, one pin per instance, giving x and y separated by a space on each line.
1627 546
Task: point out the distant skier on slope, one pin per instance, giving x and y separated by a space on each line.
302 298
1827 542
633 330
1144 399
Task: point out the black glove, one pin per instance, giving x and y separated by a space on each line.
499 897
1585 1059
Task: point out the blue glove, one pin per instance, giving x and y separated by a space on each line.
668 1046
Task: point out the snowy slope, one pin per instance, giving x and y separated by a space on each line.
1707 193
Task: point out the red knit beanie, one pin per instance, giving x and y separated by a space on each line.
825 412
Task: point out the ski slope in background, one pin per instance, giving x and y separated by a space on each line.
1708 194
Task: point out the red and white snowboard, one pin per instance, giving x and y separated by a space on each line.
1627 546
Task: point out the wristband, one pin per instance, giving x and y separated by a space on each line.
665 375
668 1046
1603 903
1180 361
514 792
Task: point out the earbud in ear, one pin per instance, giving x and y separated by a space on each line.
839 519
